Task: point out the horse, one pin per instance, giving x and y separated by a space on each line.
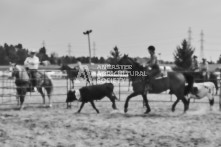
175 82
201 90
205 77
73 73
23 83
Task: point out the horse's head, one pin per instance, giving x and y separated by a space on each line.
17 70
13 69
64 67
125 60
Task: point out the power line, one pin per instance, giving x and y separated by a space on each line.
43 43
94 49
69 49
189 36
202 45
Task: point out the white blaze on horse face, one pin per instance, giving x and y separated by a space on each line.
10 69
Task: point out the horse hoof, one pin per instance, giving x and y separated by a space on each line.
125 110
148 111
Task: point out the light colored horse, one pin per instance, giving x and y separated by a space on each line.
201 90
23 84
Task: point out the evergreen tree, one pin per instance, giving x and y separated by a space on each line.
115 55
219 61
183 56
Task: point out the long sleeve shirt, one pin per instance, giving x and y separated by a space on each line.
32 62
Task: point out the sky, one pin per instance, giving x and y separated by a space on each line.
131 25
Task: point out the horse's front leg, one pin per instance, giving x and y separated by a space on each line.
127 101
174 104
42 95
21 94
147 103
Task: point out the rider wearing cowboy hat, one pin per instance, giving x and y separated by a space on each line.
195 64
204 65
31 63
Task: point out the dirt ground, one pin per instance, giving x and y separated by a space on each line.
61 127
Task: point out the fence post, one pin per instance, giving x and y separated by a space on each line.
96 77
220 91
119 91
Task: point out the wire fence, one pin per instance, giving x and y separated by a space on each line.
61 85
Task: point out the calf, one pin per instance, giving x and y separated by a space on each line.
201 90
91 93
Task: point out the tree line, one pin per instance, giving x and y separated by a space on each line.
17 54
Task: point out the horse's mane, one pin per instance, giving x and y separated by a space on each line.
20 67
136 64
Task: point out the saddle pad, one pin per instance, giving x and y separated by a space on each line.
161 75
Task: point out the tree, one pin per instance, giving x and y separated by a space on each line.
22 55
183 56
115 55
219 61
3 57
42 55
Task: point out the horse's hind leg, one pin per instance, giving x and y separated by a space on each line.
174 104
22 93
42 94
211 101
127 101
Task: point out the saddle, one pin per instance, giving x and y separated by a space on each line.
162 74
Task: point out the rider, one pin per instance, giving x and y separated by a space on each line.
31 64
79 66
195 64
204 68
204 65
153 65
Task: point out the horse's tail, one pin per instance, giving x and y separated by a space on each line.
213 78
47 82
190 80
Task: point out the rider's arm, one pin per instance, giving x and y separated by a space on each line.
26 62
153 61
34 61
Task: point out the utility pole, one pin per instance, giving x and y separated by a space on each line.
89 45
69 49
189 36
43 43
201 45
94 48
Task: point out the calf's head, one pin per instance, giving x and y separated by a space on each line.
195 90
71 96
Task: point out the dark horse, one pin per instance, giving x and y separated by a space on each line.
73 73
23 83
175 82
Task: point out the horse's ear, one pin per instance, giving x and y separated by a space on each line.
12 64
125 56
